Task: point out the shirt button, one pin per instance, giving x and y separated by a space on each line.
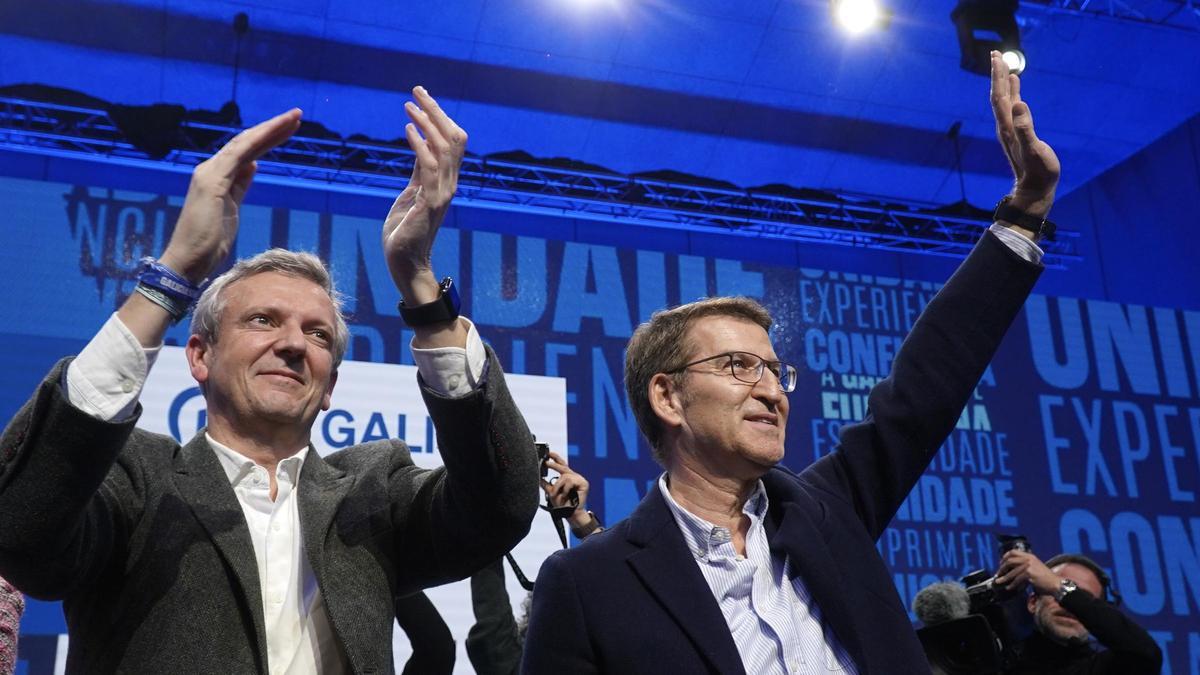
454 381
276 527
740 558
126 386
277 599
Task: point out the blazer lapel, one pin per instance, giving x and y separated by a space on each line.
792 532
669 571
206 489
322 488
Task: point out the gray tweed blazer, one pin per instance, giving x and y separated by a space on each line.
145 543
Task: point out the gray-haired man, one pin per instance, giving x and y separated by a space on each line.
245 551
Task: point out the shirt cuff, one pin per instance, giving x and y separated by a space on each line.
107 377
453 372
1017 243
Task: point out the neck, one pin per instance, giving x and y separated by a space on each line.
265 447
719 500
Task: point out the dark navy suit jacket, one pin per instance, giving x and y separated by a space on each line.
632 599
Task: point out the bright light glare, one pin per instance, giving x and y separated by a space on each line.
1015 60
856 16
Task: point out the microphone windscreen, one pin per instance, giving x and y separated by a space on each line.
941 602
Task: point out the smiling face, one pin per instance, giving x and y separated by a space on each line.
733 429
271 367
1055 622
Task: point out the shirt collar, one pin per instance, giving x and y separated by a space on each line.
702 536
237 466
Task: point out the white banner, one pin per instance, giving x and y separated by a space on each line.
379 400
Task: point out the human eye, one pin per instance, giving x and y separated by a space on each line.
775 367
744 362
259 320
321 335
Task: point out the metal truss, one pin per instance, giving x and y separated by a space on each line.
1177 14
364 167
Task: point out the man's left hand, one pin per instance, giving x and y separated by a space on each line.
1019 567
413 221
1033 162
569 484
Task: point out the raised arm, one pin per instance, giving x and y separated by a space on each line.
941 360
208 222
412 224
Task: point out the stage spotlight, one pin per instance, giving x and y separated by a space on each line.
1015 60
984 25
857 16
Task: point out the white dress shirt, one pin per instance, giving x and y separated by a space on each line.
105 381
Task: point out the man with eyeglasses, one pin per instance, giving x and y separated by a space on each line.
733 564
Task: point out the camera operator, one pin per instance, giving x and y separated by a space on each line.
1069 600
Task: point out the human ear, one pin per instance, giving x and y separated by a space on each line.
198 354
665 400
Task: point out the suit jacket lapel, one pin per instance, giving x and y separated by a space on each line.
206 489
792 532
321 490
669 571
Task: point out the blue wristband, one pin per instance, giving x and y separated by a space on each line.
158 276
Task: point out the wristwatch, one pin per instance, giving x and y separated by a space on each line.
1041 227
444 308
591 527
1064 587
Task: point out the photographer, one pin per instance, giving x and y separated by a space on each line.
1069 600
495 641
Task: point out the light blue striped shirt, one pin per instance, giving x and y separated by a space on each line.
774 624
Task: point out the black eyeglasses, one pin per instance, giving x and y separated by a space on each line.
748 368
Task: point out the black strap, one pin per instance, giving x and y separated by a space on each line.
1041 227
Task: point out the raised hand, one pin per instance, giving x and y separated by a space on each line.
208 222
413 221
559 493
1019 567
1033 162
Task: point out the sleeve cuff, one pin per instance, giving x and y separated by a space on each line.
107 377
1021 245
453 372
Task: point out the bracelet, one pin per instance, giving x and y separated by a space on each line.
162 278
174 307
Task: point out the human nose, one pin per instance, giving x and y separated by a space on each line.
290 340
769 387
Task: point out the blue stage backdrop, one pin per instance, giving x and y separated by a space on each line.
1084 434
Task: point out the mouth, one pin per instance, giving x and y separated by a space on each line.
284 374
766 419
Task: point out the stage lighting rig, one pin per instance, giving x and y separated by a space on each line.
984 25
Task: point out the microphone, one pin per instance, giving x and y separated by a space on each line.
941 602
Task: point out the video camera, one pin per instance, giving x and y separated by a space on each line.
972 627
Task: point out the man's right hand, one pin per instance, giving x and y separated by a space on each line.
208 222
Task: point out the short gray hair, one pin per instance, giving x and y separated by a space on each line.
206 319
660 345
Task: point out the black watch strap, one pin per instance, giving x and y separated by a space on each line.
444 309
1041 227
